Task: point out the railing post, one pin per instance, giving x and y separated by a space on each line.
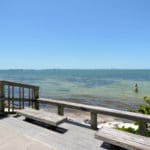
23 97
35 102
29 96
8 98
32 97
20 97
13 95
94 120
2 97
142 128
60 110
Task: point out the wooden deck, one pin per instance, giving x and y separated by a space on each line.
70 135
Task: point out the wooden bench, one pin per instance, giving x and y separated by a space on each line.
45 117
123 139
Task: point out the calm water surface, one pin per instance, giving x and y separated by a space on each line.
110 88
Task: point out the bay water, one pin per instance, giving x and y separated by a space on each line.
110 88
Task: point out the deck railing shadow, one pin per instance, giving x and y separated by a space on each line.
3 115
78 124
109 146
44 125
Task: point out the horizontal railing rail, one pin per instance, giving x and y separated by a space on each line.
18 84
98 109
94 110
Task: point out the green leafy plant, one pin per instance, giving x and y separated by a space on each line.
131 130
144 109
134 131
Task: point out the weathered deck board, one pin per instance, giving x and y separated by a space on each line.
51 119
12 140
76 137
123 139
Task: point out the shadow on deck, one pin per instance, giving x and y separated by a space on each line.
3 115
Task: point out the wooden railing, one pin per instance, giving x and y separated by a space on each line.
94 110
17 96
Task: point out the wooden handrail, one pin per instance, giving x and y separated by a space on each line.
99 110
141 118
18 84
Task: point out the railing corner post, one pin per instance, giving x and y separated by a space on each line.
2 97
36 102
36 105
2 105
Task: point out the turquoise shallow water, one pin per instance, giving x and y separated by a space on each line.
110 88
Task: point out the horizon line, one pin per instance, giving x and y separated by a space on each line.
76 69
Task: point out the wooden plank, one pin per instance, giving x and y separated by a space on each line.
14 140
18 84
99 110
17 99
123 139
45 117
75 137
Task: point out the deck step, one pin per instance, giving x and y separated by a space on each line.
45 117
123 139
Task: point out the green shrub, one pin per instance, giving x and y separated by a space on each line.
144 109
131 130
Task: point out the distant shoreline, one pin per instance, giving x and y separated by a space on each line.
80 69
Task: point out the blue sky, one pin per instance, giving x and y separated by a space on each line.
40 34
